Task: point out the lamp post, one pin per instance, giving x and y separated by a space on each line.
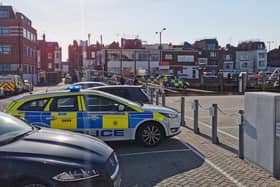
160 46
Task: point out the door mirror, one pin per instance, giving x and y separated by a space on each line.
121 108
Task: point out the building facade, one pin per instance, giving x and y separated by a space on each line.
208 55
49 61
182 62
18 53
251 56
227 58
273 58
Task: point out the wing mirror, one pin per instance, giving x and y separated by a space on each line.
121 108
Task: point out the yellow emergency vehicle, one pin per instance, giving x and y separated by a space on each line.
11 84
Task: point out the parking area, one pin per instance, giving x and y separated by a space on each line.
189 159
173 163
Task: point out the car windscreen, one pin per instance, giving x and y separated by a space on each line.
122 100
137 94
11 127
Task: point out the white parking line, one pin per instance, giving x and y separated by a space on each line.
153 152
209 126
232 179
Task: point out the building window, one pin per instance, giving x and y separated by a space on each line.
57 66
49 55
168 57
5 67
227 57
244 57
25 68
50 65
185 58
212 54
4 31
29 51
5 49
202 61
262 63
4 14
211 46
57 56
261 55
228 65
154 57
244 65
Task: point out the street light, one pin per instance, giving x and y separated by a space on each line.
160 47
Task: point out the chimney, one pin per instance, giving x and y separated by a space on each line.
44 37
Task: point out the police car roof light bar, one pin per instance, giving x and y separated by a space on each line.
73 88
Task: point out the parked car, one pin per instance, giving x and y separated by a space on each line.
99 114
210 75
132 93
37 157
89 84
68 79
28 86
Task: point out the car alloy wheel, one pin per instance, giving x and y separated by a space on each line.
151 135
35 185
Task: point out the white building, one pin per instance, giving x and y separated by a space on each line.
251 57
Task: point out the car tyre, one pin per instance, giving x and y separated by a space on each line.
150 134
33 183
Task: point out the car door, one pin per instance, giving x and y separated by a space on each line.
63 112
32 111
105 118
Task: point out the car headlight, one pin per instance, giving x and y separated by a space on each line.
170 115
76 175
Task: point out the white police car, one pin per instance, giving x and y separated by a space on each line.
99 114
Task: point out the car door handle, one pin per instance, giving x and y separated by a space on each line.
51 118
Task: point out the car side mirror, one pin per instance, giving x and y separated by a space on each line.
121 108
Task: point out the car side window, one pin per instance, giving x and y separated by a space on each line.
97 104
136 94
102 104
65 104
35 105
122 92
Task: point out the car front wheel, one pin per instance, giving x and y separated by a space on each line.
33 183
150 134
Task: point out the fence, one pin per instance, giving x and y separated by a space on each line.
214 110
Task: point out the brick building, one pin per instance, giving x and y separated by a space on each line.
208 54
82 56
182 62
17 44
273 58
49 61
227 58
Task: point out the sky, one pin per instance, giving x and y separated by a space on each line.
230 21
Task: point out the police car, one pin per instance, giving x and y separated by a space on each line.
97 113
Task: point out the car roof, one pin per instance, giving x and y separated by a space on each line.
116 86
67 92
89 82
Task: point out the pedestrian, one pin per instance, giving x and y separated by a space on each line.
122 80
135 81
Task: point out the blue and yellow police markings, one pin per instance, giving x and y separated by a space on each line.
115 121
63 120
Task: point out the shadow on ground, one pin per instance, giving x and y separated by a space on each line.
221 144
141 166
